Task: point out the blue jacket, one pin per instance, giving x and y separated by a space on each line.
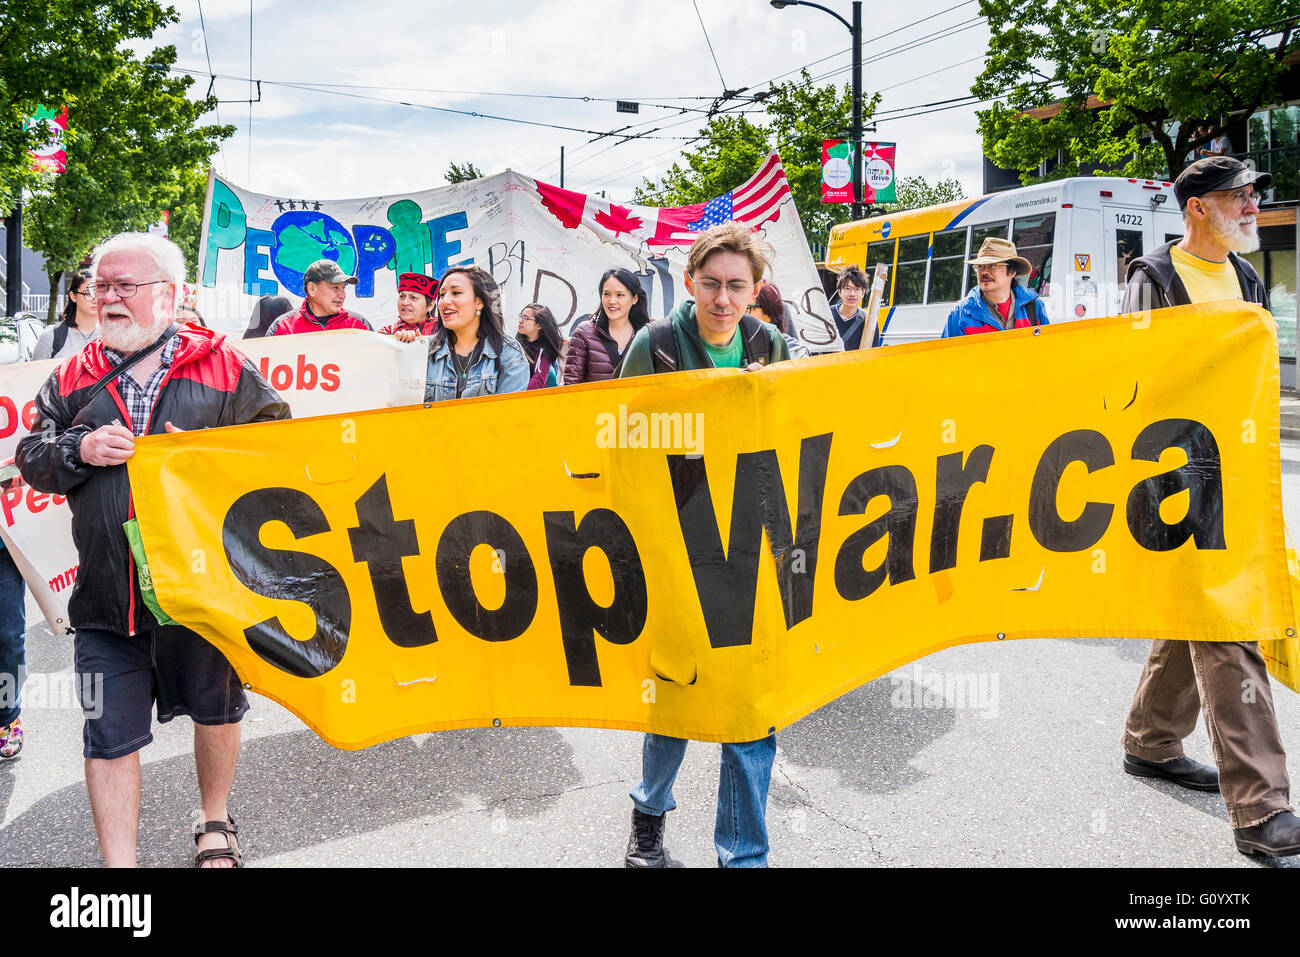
492 374
973 315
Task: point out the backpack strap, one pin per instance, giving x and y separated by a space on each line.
663 347
60 337
753 337
127 363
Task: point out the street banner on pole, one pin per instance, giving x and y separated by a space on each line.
714 554
50 156
837 171
878 173
541 243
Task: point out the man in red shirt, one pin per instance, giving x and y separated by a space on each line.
997 301
325 285
415 297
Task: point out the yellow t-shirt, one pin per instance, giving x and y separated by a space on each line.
1205 281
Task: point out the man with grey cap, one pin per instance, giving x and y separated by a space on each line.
1228 680
997 301
1219 197
325 285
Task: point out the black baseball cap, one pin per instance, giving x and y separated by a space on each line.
1214 173
326 270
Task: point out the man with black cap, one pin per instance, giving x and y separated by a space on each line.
1219 197
1226 679
415 296
325 285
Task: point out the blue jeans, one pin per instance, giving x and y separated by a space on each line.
13 622
740 832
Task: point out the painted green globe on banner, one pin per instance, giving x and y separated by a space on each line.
304 236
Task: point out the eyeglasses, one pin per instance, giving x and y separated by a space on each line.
710 287
1239 197
124 290
87 291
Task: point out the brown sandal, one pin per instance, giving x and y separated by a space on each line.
229 852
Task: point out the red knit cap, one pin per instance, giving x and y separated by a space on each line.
414 282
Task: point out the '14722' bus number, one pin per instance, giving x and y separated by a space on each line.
1128 219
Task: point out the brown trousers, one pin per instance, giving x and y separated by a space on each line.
1229 680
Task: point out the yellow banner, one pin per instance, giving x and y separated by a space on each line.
714 554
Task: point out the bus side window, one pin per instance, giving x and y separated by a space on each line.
878 253
1128 247
909 280
947 266
980 233
1033 237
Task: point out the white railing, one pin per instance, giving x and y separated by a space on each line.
36 302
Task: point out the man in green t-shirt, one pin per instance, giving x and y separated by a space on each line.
724 270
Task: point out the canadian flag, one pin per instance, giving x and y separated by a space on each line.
754 202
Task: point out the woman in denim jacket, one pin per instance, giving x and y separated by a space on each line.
470 354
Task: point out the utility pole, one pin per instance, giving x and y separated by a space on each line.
14 260
854 28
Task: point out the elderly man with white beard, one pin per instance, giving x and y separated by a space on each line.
147 374
1228 680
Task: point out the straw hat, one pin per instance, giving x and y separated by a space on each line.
994 250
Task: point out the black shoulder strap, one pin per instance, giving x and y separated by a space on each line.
857 327
126 363
758 347
60 337
663 347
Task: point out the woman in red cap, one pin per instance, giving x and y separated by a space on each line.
415 297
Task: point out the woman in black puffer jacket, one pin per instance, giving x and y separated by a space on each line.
596 347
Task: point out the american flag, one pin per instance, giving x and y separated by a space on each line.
753 202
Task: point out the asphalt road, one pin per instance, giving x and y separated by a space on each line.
1029 775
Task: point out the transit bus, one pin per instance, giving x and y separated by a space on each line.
1078 234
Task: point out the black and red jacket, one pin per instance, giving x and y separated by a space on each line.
426 328
301 320
208 384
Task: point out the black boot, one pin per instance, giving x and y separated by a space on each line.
1183 771
645 846
1279 836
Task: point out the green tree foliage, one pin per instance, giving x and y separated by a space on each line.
134 147
1145 63
54 53
461 173
914 192
798 117
186 217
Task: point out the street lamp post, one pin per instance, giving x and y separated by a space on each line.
854 28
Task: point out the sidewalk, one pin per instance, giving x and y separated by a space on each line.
1290 403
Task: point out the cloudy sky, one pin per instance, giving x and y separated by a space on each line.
331 124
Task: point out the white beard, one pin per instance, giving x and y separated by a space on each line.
128 338
1231 233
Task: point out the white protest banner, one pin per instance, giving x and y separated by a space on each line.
19 384
541 243
318 374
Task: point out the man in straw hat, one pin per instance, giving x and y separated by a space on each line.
997 302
